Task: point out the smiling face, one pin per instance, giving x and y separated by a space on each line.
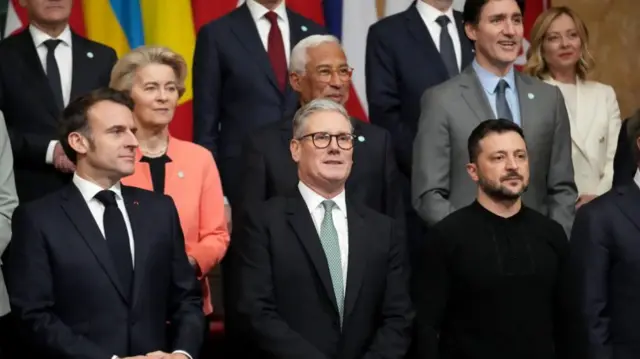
497 35
562 45
327 168
155 93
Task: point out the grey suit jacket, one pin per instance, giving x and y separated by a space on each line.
450 111
8 202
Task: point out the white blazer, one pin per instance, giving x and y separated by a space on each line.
595 124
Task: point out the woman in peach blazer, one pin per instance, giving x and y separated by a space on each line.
154 76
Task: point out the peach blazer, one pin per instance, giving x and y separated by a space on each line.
192 180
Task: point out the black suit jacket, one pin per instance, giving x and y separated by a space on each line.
268 169
30 110
624 161
65 290
234 87
605 253
402 62
286 297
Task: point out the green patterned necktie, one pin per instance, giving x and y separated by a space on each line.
329 239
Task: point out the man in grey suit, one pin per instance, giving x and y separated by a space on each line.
491 88
8 202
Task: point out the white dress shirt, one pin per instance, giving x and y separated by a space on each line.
636 178
64 58
429 14
88 190
258 13
339 212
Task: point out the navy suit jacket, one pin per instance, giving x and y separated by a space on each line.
402 61
234 86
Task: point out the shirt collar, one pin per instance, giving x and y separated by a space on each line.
314 200
489 80
39 36
258 10
429 13
89 189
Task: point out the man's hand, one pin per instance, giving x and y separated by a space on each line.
162 355
60 161
584 199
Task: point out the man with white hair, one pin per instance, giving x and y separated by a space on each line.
321 276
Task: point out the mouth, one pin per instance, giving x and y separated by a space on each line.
508 45
332 162
565 55
161 110
335 97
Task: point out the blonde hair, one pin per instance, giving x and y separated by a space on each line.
125 69
536 65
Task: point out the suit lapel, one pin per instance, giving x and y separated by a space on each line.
302 223
424 41
474 95
629 202
81 66
140 238
286 131
29 55
79 214
357 258
527 101
296 33
246 31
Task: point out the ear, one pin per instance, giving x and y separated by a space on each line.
294 80
78 143
470 30
472 170
294 147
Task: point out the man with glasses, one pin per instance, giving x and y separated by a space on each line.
319 69
321 276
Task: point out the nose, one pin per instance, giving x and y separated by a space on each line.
162 95
335 80
509 28
511 163
131 140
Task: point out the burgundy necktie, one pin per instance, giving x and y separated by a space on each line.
275 50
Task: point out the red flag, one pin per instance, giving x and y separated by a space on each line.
205 11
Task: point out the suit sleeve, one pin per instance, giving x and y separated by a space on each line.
432 294
30 284
431 161
256 305
383 97
614 123
111 59
624 165
8 195
185 310
253 175
393 337
394 205
564 310
561 188
589 269
206 91
213 236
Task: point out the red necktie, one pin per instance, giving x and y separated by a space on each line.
275 50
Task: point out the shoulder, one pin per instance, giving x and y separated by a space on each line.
192 151
382 26
447 89
537 220
601 88
312 26
370 131
91 45
373 219
453 223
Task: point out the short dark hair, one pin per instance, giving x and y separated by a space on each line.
486 128
473 9
75 115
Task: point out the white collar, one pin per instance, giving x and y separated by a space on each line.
636 178
39 36
314 200
89 189
258 11
429 13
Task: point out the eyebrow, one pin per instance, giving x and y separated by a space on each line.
158 84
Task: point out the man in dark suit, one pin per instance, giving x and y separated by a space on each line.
624 166
406 54
321 276
98 269
240 78
41 70
319 69
605 271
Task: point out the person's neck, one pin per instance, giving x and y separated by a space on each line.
329 191
498 69
504 208
153 140
53 30
566 76
442 5
91 175
270 4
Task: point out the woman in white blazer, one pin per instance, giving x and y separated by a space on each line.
559 55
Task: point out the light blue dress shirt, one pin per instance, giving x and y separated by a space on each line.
489 82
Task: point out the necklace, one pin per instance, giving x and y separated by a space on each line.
157 153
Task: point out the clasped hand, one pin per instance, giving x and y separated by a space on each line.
159 355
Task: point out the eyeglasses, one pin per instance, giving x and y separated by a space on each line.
325 74
323 140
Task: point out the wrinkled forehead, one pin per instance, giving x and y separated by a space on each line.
328 121
508 142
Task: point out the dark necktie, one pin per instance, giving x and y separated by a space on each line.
502 106
117 237
53 73
275 49
447 51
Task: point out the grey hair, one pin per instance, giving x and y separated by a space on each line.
299 54
315 106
